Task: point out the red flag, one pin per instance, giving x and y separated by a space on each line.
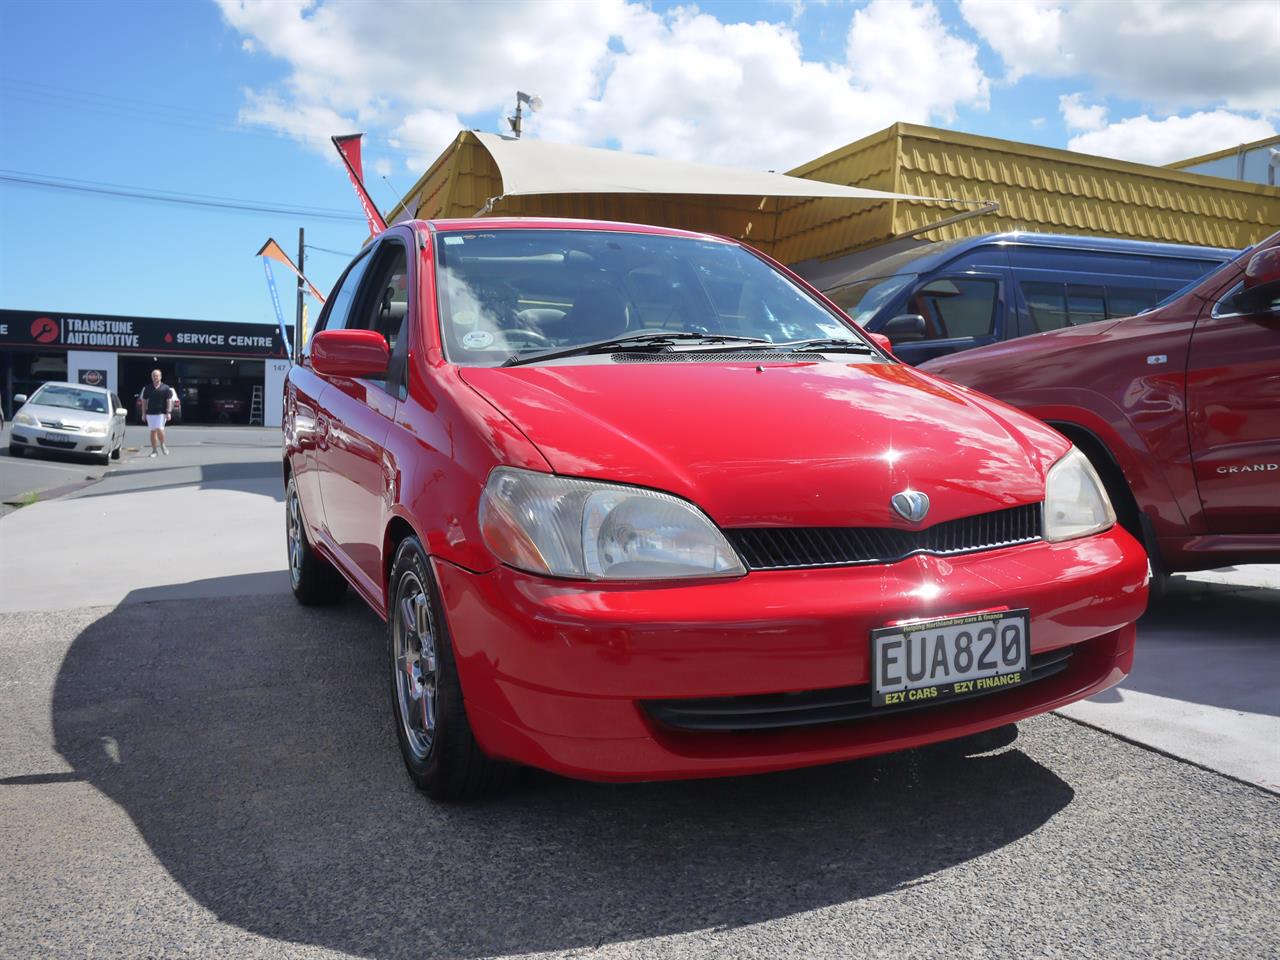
349 150
273 250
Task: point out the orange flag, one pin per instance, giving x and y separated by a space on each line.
272 249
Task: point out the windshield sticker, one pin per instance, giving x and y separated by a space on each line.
452 241
477 340
832 329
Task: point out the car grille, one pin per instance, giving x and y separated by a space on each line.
784 548
59 425
780 711
685 356
56 444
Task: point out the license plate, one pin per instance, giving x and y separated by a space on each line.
932 660
56 437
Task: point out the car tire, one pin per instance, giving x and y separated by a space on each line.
17 450
315 581
115 454
428 708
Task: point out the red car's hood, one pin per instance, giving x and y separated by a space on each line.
805 444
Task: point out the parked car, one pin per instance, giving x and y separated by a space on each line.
940 298
638 503
68 418
1178 408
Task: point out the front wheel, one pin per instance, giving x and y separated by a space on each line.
436 742
313 578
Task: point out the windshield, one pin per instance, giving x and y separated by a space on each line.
1195 282
506 293
863 299
72 398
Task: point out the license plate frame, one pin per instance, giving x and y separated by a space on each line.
52 437
892 686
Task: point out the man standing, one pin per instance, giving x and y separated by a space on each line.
157 399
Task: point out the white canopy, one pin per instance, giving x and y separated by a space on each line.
539 166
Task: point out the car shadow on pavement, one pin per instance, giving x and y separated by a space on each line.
1210 646
250 741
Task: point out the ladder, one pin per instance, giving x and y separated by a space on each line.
255 407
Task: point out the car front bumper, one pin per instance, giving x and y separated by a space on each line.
33 438
556 674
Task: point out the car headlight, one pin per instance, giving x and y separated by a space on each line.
96 430
26 419
1075 502
564 527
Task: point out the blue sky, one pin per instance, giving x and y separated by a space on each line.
236 100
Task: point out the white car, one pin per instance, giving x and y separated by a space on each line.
70 418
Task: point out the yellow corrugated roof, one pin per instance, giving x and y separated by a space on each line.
1038 189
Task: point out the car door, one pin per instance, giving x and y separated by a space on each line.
355 469
303 427
960 311
116 433
1233 415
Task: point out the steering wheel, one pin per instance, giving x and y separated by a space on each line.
530 337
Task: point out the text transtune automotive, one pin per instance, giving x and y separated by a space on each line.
637 504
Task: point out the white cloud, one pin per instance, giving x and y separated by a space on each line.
903 50
683 84
1038 122
1144 140
1026 33
1169 53
1081 116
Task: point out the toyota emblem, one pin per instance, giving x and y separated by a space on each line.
911 505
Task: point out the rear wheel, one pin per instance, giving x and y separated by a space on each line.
436 742
313 578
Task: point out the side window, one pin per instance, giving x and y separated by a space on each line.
1126 301
338 308
384 303
1047 304
1085 304
956 308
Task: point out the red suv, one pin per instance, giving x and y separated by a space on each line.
637 503
1178 408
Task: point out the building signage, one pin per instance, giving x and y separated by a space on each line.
149 335
93 378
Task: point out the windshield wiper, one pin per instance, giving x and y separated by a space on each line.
824 344
652 339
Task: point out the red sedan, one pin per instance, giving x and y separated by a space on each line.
638 503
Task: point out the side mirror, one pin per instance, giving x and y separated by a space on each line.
350 353
904 327
883 342
19 399
121 412
1261 290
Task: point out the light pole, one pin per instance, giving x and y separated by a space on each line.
535 104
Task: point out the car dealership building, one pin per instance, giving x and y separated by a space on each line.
222 372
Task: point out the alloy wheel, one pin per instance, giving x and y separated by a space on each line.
295 534
413 636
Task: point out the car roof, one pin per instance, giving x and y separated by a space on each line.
552 223
68 383
930 256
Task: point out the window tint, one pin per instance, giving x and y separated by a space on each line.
956 307
1085 304
1047 304
338 307
1126 301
